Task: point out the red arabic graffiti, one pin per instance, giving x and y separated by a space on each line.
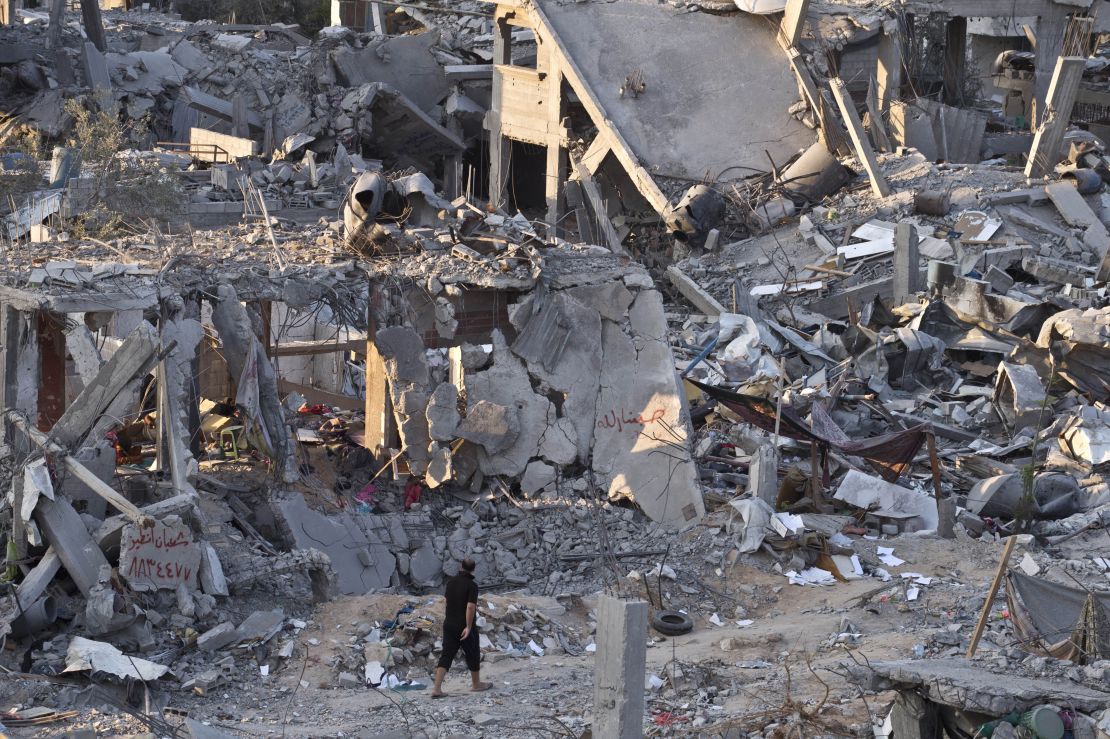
153 569
618 421
160 538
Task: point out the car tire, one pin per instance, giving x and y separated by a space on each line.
672 623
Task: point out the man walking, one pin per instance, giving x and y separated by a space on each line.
459 629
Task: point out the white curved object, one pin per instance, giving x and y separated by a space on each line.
761 7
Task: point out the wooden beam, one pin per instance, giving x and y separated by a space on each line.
863 149
316 396
1045 152
693 292
986 612
322 346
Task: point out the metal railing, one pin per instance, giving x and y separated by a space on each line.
199 152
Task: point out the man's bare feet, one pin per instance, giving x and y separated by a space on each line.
480 687
440 694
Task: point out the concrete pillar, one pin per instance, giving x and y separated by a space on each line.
860 143
955 60
913 717
21 369
94 26
52 369
380 431
907 263
619 668
1045 152
1052 26
888 74
763 474
63 528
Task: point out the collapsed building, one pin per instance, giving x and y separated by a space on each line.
663 301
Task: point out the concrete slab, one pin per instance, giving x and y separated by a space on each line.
641 437
718 87
361 565
403 62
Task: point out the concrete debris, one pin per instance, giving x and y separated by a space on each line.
295 320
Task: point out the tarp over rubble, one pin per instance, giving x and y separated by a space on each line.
1063 622
890 454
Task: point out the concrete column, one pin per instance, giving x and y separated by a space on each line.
907 263
619 668
52 369
94 26
1045 152
913 717
955 60
380 431
763 474
1052 26
860 143
63 528
888 74
21 369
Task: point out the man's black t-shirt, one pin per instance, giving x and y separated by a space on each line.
461 589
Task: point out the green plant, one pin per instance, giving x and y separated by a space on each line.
25 173
128 187
1027 504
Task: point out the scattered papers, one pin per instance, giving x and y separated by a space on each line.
787 524
745 623
912 593
716 620
653 682
535 648
886 556
811 576
918 578
591 647
374 673
1030 567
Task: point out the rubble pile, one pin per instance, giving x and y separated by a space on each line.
766 420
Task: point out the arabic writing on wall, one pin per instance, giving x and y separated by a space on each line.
160 556
620 420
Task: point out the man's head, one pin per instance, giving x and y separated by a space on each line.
467 565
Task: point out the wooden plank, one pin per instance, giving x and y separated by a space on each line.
863 149
690 290
316 396
322 346
995 584
130 360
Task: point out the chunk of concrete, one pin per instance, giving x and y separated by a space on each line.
217 637
1020 395
260 627
439 465
641 437
506 383
443 412
537 476
161 556
559 443
492 426
425 566
404 62
403 352
560 340
341 538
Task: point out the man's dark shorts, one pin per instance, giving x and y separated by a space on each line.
469 645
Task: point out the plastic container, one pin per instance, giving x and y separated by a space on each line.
1044 721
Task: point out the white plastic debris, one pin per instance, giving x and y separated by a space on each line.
886 556
716 620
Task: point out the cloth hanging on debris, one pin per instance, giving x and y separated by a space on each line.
1060 621
248 400
890 454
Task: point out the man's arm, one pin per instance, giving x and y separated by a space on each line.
471 611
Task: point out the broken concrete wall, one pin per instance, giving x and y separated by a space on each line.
586 385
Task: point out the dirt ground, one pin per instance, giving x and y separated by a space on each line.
784 664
